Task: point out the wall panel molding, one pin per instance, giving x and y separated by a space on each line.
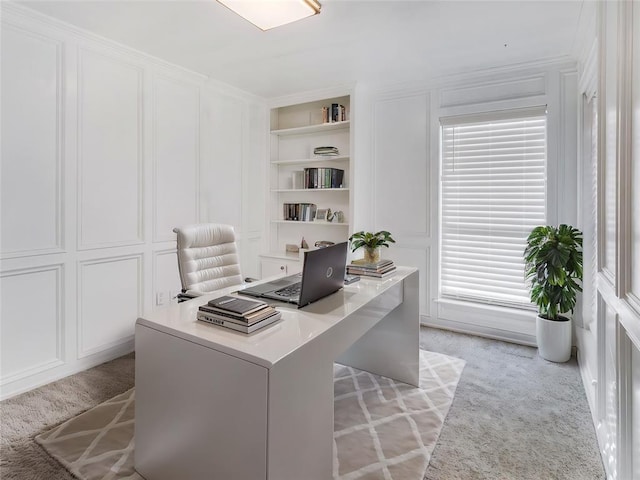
107 306
34 105
402 131
27 307
625 401
110 151
630 154
567 159
588 80
176 159
624 150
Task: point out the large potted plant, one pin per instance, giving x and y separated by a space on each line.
371 242
553 265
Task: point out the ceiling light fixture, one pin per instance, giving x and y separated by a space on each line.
267 14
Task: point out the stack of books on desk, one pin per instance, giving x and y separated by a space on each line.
238 313
380 269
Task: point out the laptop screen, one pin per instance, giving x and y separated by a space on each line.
322 272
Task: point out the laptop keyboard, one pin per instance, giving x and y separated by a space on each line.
290 291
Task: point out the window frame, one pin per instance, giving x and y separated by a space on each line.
478 118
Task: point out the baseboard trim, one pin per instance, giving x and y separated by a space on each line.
11 389
589 381
480 330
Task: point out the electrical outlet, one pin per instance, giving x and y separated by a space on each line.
161 298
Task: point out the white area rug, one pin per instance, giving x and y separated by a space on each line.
382 430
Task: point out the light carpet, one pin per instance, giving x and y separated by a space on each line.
383 429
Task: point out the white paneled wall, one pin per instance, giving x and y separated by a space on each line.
105 151
613 388
406 165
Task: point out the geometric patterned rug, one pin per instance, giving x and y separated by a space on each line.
382 429
385 429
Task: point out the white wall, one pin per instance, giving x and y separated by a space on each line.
104 151
403 133
609 339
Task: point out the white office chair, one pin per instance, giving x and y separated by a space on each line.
207 258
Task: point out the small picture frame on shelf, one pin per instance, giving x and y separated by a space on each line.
321 215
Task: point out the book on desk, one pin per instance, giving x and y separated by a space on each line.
380 269
238 314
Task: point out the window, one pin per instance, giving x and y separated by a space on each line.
492 195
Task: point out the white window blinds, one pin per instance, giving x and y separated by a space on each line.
492 196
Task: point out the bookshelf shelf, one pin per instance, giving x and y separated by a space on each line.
315 224
304 161
309 190
296 134
318 128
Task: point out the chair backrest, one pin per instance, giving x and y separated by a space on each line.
207 257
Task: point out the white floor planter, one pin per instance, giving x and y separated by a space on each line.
554 339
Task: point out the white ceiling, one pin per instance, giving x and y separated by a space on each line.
376 41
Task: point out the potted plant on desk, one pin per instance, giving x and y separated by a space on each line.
553 265
371 242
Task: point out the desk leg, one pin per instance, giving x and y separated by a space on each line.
391 348
300 425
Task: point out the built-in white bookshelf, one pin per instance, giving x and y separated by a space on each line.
296 130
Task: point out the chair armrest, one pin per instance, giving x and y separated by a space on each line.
250 279
184 296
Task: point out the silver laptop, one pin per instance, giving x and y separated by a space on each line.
322 274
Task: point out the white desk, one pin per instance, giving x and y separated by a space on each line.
212 403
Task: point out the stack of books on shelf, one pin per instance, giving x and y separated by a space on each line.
380 269
326 151
323 177
238 314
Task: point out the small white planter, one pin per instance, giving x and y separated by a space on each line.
554 339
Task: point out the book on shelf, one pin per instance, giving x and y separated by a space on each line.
334 113
299 212
323 177
237 326
338 113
